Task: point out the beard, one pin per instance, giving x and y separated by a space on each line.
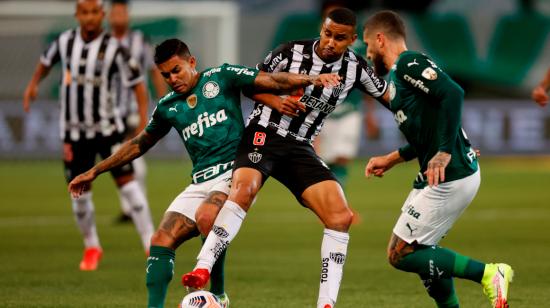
379 67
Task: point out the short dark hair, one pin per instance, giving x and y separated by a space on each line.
388 22
169 48
343 16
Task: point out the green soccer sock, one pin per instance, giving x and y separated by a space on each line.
437 262
442 291
160 270
217 276
468 268
341 173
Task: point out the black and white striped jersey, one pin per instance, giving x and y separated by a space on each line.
300 57
88 106
140 50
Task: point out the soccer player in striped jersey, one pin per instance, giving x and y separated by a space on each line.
205 109
275 144
90 122
134 42
427 106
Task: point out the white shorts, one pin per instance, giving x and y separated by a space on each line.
189 200
340 137
429 213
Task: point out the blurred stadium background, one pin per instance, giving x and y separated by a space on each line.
496 49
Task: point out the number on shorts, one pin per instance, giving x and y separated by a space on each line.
259 138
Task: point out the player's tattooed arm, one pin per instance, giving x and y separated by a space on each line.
129 151
282 81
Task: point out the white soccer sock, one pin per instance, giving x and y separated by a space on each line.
140 212
83 210
140 171
333 256
124 204
226 226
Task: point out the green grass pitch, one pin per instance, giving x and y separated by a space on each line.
274 261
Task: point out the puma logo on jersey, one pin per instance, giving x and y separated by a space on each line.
204 121
174 109
412 63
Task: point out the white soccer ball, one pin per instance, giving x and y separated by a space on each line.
200 299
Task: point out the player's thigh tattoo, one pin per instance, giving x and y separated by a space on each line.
397 249
217 198
178 226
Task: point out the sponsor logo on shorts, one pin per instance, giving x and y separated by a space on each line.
338 257
255 157
411 211
411 228
220 231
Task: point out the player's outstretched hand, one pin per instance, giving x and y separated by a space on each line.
81 183
540 96
327 80
436 168
377 166
30 94
290 106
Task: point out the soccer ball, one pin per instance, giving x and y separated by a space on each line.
200 299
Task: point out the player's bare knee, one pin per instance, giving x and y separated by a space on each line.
243 194
163 238
205 221
340 221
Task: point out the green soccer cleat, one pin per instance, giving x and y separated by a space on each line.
496 278
224 300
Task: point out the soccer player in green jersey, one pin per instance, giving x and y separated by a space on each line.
205 109
427 106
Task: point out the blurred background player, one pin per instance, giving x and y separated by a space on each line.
205 109
134 42
540 92
90 123
427 106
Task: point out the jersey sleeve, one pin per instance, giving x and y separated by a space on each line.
367 80
157 125
51 55
239 76
424 76
129 68
407 152
276 60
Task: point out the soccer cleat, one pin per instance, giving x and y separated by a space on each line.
197 279
224 300
496 278
91 258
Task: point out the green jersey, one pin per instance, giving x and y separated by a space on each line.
427 106
208 118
